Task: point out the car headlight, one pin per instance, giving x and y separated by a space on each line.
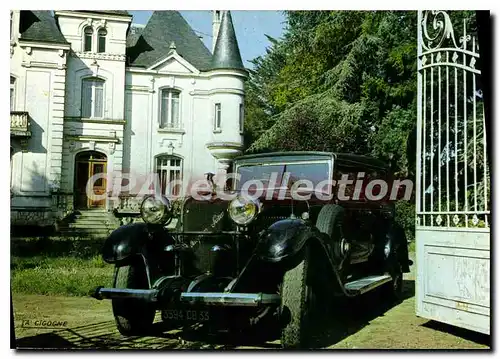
156 210
243 210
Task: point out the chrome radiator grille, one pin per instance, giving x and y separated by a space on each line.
205 216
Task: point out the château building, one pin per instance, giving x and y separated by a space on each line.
93 93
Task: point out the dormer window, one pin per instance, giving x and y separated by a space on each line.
101 40
87 39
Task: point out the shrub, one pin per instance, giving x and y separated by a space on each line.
405 217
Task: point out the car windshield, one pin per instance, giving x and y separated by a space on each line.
282 174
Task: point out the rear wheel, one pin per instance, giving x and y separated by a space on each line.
132 316
393 291
330 221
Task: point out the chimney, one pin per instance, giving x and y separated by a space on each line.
216 18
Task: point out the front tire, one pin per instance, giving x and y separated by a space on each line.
132 316
298 301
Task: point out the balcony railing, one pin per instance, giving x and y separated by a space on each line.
19 124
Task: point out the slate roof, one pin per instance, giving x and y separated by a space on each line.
153 44
134 33
226 52
40 26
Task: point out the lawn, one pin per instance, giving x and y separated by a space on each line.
58 266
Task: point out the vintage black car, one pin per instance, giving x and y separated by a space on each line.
272 257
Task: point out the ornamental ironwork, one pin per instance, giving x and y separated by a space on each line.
453 178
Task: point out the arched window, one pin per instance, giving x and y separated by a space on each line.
169 109
12 93
101 40
87 39
169 169
92 98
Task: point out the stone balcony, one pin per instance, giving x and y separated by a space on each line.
19 124
225 152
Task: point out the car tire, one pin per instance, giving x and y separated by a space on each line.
132 316
296 306
393 291
330 221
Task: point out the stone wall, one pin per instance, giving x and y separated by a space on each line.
32 217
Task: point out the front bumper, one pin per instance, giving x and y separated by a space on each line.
231 299
215 299
148 295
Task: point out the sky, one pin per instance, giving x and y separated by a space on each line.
250 26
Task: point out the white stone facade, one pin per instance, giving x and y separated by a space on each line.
48 85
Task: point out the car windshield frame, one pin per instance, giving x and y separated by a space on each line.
283 164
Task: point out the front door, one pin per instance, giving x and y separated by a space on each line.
87 165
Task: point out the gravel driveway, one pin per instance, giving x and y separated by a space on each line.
79 322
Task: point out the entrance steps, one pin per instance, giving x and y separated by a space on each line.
92 223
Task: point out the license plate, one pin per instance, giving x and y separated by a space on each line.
187 314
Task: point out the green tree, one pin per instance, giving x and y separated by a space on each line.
341 73
346 81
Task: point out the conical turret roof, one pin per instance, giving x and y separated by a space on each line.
227 53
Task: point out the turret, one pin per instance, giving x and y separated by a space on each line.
216 18
227 78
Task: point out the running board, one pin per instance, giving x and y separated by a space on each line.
366 284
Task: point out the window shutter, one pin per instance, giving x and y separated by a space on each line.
164 182
175 110
164 109
99 99
86 99
12 91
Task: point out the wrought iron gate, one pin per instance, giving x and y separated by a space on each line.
453 179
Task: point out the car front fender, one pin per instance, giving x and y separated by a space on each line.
284 239
125 242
